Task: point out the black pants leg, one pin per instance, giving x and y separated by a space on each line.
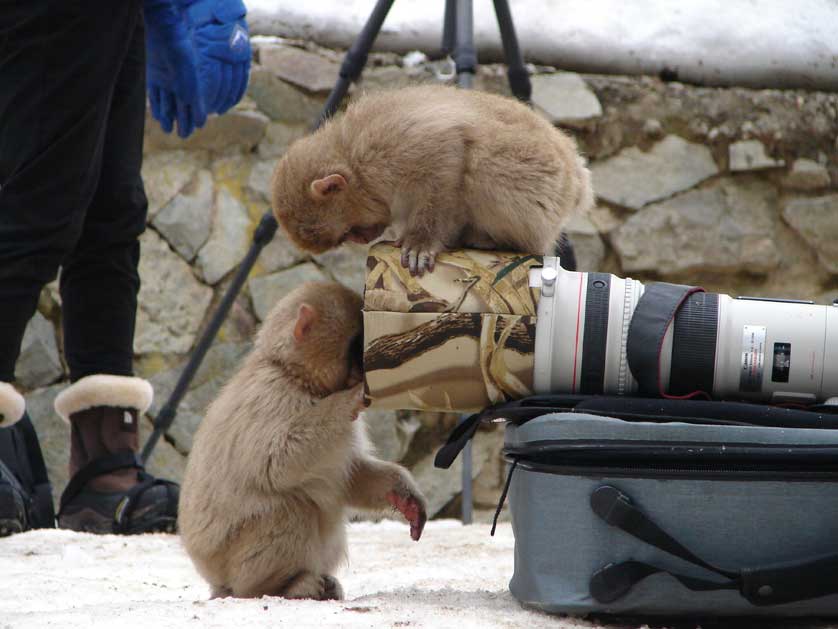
99 279
71 123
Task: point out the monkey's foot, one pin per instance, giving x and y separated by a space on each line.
413 511
332 589
418 258
220 591
320 587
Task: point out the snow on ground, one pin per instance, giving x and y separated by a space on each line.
456 576
761 43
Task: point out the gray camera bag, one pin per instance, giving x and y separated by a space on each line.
671 507
673 518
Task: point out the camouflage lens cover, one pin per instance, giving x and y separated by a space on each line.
458 339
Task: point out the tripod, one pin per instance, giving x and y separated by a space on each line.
458 41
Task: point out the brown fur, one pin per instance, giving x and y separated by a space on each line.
448 167
278 457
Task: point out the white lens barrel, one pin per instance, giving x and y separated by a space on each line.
778 351
765 350
560 340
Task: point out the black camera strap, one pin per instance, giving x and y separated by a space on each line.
652 317
769 585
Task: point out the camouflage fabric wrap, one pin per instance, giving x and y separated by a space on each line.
458 339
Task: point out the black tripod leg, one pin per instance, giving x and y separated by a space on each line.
263 234
355 59
449 27
465 55
519 78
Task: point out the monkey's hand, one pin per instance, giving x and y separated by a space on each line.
412 507
418 253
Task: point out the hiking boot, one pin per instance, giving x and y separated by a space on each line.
13 501
109 490
25 491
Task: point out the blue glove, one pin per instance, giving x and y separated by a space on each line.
172 69
219 34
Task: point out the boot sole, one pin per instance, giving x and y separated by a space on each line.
161 524
10 526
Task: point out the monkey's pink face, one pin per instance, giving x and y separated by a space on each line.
318 229
364 234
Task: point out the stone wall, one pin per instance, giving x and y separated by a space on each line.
733 189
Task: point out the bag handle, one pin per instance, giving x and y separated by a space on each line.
769 585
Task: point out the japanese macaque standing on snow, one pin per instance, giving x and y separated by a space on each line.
448 168
280 456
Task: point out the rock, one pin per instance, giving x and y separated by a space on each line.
633 178
172 303
653 128
728 226
389 77
38 363
229 240
279 254
347 264
269 289
186 220
220 363
750 155
487 487
564 97
441 486
53 435
165 461
166 173
259 181
305 69
816 220
587 244
391 432
280 100
278 138
49 301
238 129
604 219
806 174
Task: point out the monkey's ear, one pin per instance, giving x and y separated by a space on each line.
306 316
330 184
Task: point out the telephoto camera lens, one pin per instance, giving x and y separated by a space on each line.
597 333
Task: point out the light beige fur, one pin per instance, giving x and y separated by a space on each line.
12 405
104 390
447 167
279 457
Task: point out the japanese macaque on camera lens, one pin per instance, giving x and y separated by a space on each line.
447 168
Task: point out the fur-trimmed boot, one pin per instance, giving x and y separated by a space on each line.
25 491
109 490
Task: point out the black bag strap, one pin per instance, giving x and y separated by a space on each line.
634 409
615 508
652 317
769 585
457 440
97 467
614 581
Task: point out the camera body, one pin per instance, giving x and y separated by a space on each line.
487 327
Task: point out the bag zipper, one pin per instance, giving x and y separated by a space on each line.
802 462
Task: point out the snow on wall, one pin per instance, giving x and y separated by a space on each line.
758 43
